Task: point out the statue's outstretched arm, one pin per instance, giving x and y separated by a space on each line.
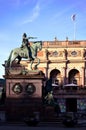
32 37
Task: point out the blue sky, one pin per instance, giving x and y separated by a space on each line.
44 19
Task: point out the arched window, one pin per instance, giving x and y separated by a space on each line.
55 75
74 76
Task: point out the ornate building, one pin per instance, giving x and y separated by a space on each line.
66 58
66 62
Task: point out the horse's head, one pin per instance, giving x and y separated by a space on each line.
38 45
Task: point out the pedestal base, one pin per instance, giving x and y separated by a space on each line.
23 96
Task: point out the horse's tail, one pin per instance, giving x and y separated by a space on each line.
9 58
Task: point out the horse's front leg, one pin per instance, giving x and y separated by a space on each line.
13 57
31 63
19 59
36 66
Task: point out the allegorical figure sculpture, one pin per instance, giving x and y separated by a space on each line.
26 51
49 98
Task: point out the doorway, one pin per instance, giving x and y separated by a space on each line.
71 105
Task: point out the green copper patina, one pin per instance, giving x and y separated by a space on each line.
29 53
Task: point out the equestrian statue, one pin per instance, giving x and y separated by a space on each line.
26 51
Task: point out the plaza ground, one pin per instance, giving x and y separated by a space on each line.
41 126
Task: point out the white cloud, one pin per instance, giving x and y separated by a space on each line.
34 15
18 3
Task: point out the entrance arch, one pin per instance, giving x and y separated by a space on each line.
71 104
74 76
56 75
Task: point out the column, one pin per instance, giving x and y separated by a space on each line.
46 54
64 75
46 71
85 71
65 54
83 76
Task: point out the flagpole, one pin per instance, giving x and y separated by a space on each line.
73 17
74 30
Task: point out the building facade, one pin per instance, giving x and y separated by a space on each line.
66 62
66 58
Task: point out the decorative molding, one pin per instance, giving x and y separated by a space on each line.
17 88
74 53
30 88
55 53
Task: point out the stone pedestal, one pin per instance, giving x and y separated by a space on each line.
23 94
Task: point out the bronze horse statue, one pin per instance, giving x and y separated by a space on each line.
20 53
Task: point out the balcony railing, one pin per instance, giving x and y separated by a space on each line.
64 43
69 92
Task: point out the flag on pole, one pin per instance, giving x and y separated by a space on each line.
73 17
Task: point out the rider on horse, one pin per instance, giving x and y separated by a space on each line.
26 43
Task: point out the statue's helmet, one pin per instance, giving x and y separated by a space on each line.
24 35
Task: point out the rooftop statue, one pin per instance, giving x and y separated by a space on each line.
26 51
